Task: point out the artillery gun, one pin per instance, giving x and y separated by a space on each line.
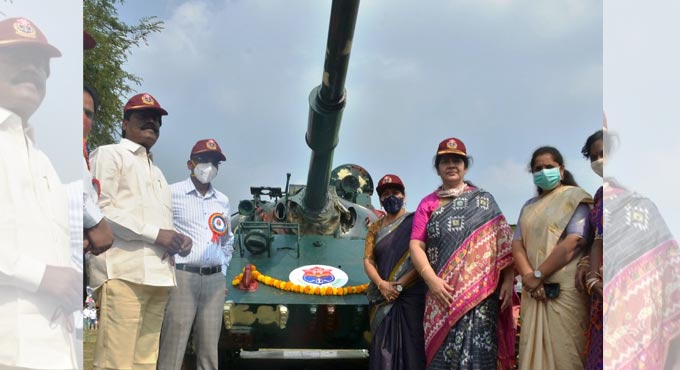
323 222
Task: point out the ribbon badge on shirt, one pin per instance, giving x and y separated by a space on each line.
218 226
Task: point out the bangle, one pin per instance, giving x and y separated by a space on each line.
583 262
590 283
424 268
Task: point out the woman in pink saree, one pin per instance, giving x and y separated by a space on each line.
461 246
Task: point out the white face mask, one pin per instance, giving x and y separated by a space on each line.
205 172
598 166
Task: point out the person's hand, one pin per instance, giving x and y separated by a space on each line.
185 247
597 289
100 238
530 282
388 290
505 294
538 293
441 291
64 284
581 278
171 240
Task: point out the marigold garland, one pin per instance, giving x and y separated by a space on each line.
296 288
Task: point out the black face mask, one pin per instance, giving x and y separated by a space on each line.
393 204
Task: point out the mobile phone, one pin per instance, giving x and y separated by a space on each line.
552 290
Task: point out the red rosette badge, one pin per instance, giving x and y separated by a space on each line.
218 225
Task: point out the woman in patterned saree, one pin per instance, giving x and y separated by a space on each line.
641 281
551 232
396 292
594 151
461 246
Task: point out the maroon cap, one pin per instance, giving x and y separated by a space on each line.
452 145
389 180
208 146
22 32
88 41
144 101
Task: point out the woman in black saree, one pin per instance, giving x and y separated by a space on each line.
396 292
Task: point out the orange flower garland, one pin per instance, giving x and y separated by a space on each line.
303 289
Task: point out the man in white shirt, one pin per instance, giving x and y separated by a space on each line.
202 212
38 289
97 236
133 276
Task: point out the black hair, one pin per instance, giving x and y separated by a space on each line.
467 161
392 186
598 135
93 93
568 178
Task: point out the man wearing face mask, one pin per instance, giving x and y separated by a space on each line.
202 212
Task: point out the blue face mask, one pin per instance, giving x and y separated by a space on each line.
547 179
392 204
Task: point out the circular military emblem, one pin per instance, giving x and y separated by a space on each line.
319 275
387 180
147 99
23 27
452 144
211 145
218 225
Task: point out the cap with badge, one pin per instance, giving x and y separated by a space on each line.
452 145
389 180
20 32
208 146
144 101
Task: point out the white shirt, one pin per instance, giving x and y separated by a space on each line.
191 214
33 234
136 201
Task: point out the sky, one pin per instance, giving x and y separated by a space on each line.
58 122
641 82
503 76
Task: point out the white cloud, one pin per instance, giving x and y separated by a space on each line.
417 75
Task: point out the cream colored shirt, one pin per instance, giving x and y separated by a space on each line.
137 203
33 234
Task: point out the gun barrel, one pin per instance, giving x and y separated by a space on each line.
327 101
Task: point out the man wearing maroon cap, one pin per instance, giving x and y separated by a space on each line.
201 212
37 287
132 277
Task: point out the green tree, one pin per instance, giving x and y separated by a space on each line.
103 65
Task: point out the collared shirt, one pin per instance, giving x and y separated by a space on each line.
191 215
136 201
33 234
74 192
92 215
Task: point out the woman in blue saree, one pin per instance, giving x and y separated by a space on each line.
396 293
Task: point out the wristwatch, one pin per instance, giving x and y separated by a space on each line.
399 288
538 274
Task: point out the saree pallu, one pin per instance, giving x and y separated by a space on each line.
641 283
468 244
552 334
396 327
